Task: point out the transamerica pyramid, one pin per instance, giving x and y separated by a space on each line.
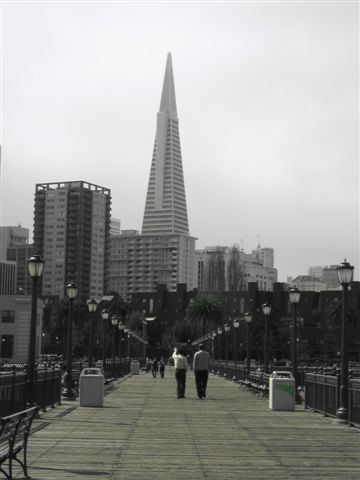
165 207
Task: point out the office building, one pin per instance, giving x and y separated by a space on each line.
164 251
72 234
12 237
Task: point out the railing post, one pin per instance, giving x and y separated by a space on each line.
45 388
13 383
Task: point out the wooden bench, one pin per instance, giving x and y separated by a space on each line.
14 434
109 384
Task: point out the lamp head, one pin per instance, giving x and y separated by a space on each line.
71 290
248 317
35 266
266 308
294 294
345 273
92 305
105 314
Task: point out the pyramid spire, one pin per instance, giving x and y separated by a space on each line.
168 100
165 207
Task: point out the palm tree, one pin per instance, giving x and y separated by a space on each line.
206 309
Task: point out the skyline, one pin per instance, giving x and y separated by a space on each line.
267 100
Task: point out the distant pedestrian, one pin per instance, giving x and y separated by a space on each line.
162 368
154 367
181 367
201 370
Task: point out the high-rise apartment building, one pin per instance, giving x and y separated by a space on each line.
164 252
72 234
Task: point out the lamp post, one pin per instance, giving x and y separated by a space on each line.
92 305
69 392
236 324
213 335
294 295
126 331
145 322
104 315
248 319
266 308
35 267
120 327
226 330
345 274
114 322
219 332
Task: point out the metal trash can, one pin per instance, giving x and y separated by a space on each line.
91 387
282 391
135 367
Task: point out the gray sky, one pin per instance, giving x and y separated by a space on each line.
268 105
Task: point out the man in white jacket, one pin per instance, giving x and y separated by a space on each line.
181 367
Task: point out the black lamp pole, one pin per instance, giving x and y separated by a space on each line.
248 319
266 308
92 305
345 274
236 324
114 322
226 331
35 268
219 332
294 295
104 316
69 392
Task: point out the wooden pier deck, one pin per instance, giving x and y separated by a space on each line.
144 432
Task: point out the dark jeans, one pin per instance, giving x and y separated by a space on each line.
201 378
180 376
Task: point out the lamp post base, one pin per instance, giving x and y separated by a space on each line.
69 394
342 415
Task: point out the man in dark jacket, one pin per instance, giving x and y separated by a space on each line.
201 370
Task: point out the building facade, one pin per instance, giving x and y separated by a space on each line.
72 234
223 269
15 318
164 251
12 237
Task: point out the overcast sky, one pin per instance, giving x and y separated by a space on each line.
268 105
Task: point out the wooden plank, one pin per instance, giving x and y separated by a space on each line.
144 432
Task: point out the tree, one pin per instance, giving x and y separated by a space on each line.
206 310
235 273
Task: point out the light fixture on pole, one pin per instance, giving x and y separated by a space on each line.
226 330
266 308
345 275
114 322
219 332
248 319
35 266
147 320
69 392
294 295
236 324
104 315
121 328
92 305
213 335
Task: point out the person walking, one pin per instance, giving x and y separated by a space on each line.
181 367
162 367
201 370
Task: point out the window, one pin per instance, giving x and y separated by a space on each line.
8 316
7 346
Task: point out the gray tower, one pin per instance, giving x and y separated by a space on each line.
165 208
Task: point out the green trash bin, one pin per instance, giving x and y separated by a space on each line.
282 391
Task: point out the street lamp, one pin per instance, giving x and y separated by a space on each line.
236 324
266 308
104 315
92 305
226 330
248 319
69 392
114 322
219 332
120 327
35 267
294 295
145 322
213 335
345 275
